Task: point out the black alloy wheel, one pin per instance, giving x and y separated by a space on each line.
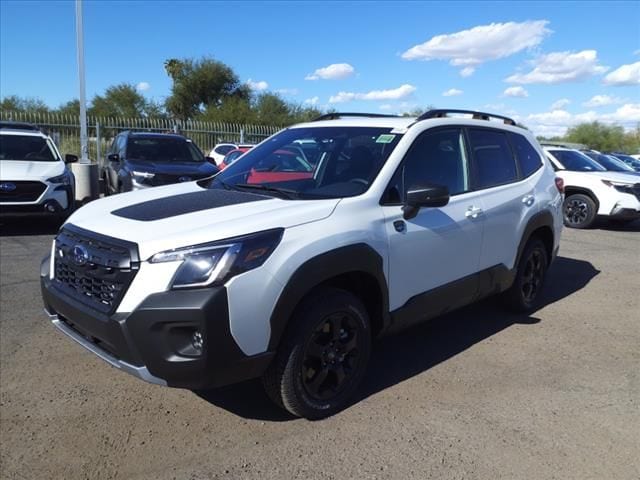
579 211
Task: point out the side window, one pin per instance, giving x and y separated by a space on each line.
121 144
438 157
493 160
527 156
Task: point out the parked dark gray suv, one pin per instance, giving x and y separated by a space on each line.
139 160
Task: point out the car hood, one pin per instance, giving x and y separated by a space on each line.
200 169
25 170
630 177
185 214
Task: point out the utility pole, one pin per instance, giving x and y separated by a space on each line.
86 173
84 144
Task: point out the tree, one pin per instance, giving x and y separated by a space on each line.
122 100
14 103
601 137
72 107
201 84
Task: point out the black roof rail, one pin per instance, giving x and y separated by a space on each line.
442 113
336 115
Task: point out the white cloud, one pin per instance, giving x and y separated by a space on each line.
560 104
312 101
287 91
515 92
624 75
402 91
143 86
470 48
335 71
560 67
467 71
452 92
602 101
258 86
386 107
556 122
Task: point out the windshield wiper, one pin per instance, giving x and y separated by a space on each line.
286 193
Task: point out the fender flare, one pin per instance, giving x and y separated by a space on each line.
356 258
540 219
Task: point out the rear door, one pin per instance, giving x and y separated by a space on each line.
440 245
508 196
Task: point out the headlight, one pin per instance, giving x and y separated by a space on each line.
64 179
611 183
215 263
141 177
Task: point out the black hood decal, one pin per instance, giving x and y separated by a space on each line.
175 205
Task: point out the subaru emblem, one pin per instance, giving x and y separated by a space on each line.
79 255
6 187
185 179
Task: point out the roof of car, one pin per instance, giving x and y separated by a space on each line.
24 133
154 134
380 122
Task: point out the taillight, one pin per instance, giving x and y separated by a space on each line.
560 184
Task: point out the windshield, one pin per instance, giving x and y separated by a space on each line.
314 162
628 159
612 164
576 161
163 149
26 147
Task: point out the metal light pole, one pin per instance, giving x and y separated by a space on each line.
85 172
84 147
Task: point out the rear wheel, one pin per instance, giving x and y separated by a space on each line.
323 357
579 211
524 294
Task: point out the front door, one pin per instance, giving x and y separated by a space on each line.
439 247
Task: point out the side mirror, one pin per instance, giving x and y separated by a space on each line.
114 157
421 196
68 158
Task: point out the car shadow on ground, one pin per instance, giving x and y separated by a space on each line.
404 355
26 226
617 226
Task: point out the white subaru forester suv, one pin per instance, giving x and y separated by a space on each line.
592 191
34 179
288 263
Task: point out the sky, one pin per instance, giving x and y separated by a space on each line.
549 65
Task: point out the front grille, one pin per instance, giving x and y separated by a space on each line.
23 191
94 269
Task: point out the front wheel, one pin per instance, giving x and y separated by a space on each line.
579 211
323 357
524 294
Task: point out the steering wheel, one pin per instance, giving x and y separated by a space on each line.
361 181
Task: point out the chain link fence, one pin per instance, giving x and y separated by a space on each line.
65 130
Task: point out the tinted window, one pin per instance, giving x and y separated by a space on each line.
576 161
494 162
437 158
24 147
612 164
162 149
527 156
224 149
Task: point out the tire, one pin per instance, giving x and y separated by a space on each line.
524 294
579 211
323 355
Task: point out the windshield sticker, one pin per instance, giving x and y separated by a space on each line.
385 138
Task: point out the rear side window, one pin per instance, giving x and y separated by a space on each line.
493 160
527 156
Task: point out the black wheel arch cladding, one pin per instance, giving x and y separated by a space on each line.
540 224
338 263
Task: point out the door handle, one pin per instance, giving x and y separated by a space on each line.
473 212
528 200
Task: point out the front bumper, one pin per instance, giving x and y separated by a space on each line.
56 200
619 213
155 342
